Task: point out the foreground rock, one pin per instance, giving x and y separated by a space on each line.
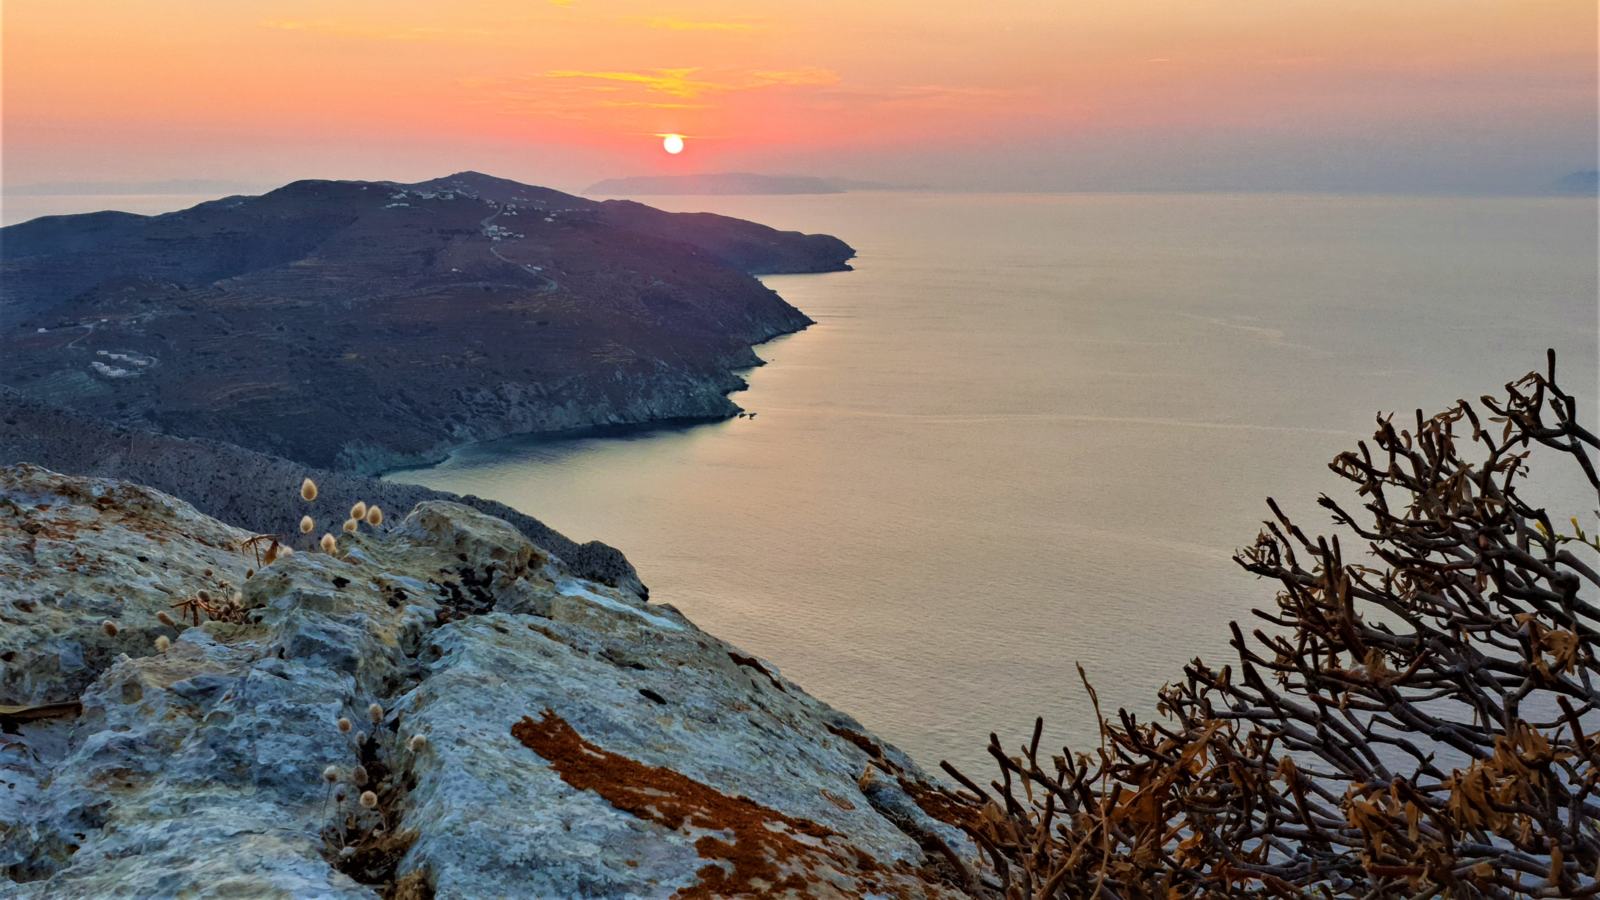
244 487
533 735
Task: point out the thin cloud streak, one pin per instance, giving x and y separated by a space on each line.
669 23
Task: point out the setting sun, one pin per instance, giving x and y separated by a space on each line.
672 143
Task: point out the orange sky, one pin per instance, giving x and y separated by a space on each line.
1007 93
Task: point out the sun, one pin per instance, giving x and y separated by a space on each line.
672 143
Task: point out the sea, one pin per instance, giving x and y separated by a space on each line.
1029 431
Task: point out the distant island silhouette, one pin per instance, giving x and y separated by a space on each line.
1586 181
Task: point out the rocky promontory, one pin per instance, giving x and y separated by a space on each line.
364 326
245 487
435 706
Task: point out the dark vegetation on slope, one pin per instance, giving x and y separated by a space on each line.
245 487
367 325
1416 719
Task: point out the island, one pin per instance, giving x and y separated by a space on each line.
364 326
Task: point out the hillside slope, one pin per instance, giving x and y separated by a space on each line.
367 325
245 487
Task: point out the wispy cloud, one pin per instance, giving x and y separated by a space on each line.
675 82
685 83
331 28
671 23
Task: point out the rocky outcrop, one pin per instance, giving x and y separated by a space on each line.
245 487
522 731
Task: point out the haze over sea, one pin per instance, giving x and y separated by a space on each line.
1030 430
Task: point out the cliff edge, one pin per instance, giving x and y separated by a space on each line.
438 707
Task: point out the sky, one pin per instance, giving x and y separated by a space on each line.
1343 95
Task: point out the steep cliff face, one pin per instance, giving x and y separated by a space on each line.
367 325
522 731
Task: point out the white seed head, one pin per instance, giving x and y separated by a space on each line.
369 800
359 511
329 544
109 627
330 774
375 713
162 643
344 725
346 852
308 490
374 516
350 525
306 524
361 738
358 776
418 743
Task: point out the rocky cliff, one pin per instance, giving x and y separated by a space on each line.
438 707
368 325
245 487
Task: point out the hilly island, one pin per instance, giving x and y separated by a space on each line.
363 326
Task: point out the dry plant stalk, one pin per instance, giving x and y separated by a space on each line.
1418 722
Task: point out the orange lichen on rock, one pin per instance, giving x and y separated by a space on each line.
752 850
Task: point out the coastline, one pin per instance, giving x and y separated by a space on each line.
623 429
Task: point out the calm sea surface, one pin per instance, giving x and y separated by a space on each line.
1028 431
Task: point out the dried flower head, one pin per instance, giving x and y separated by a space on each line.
358 776
374 516
359 511
308 490
344 725
330 774
204 595
369 800
361 738
165 619
350 525
306 524
418 743
109 627
375 713
162 643
329 544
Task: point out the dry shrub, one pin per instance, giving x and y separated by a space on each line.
1416 719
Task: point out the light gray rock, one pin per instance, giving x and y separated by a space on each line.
534 734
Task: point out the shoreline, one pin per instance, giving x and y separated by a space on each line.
616 429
